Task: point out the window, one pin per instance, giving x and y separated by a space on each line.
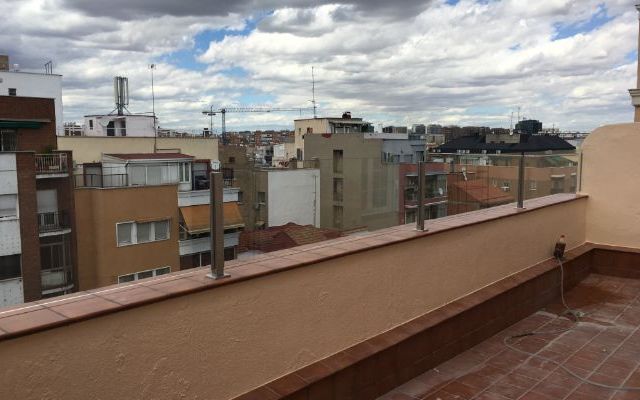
161 229
410 216
232 160
185 172
8 205
10 267
240 197
8 140
13 92
150 273
142 232
124 233
91 124
533 186
506 186
337 189
337 161
309 130
262 198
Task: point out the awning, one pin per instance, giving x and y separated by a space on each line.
21 123
196 218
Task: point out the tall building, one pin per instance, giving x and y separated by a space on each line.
14 82
529 126
37 232
359 190
326 126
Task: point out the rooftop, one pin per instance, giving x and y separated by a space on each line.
603 347
527 144
150 156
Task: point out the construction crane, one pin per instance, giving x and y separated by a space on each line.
224 110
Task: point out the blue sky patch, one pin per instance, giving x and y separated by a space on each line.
598 19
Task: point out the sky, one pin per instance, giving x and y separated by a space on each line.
567 63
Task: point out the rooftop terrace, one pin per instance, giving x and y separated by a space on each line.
359 317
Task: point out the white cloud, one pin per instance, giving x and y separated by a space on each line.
418 61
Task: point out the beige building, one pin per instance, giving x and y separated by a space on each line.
324 126
357 190
89 149
126 233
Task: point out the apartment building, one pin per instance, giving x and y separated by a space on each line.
359 190
16 82
37 232
160 223
325 126
436 192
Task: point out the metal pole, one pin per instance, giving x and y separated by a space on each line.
216 226
224 126
521 182
421 192
211 121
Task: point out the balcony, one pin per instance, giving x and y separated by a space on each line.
57 281
363 316
53 165
199 245
53 223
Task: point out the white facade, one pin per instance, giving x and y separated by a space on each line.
28 84
282 153
119 125
294 196
11 290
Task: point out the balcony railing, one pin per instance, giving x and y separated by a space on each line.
53 221
101 181
52 163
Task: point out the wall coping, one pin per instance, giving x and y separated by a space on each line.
28 318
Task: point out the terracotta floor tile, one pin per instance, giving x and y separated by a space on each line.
461 390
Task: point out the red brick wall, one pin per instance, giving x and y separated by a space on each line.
26 108
27 202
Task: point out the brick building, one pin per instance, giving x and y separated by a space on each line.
37 239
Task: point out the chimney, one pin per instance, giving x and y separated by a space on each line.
4 62
635 93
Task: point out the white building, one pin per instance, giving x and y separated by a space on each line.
14 82
138 125
293 196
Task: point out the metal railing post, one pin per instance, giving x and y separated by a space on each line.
421 192
216 226
521 182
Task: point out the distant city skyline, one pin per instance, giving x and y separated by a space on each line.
464 62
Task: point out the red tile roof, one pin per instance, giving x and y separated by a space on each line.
149 156
479 191
285 236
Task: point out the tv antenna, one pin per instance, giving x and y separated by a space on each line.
313 92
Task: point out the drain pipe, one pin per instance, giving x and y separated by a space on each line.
216 226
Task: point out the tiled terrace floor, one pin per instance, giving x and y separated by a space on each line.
603 347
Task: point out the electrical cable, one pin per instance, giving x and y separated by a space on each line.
576 314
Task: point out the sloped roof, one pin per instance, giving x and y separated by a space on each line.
527 144
479 191
149 156
285 236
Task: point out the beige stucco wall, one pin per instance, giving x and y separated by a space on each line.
89 149
223 342
611 178
100 260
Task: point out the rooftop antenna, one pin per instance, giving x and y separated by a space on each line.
153 110
511 124
313 92
48 67
121 94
